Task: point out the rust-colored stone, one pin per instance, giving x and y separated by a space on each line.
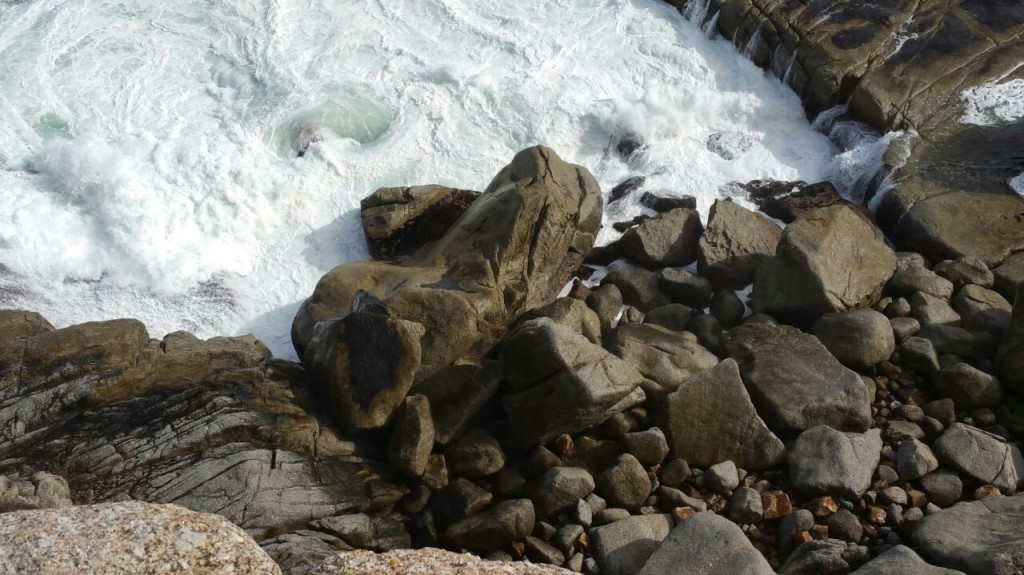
564 445
683 513
987 492
917 498
877 515
776 504
819 532
823 507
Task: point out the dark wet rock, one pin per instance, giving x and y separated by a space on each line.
711 418
399 221
495 527
730 145
978 538
794 382
845 526
1010 358
668 239
728 308
831 260
622 547
638 287
708 330
459 499
859 339
663 203
735 243
625 188
413 437
829 462
1009 276
107 538
981 455
788 201
686 288
663 356
514 249
629 146
606 301
901 560
706 544
561 383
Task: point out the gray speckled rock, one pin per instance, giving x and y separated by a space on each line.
983 456
710 419
794 382
622 547
127 538
901 560
979 538
495 527
427 561
706 544
829 462
859 339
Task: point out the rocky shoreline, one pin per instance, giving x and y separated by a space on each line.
861 412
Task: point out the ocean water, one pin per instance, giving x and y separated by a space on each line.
149 162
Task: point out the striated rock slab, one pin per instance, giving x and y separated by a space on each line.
214 426
127 538
978 538
512 250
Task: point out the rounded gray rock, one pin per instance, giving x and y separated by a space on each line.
859 339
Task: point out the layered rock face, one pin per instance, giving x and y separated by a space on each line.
905 65
512 250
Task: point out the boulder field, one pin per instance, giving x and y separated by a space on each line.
841 395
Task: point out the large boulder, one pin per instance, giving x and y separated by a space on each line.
711 419
127 538
736 242
831 260
706 544
859 339
666 240
661 355
979 538
901 560
795 383
622 547
513 249
399 221
559 382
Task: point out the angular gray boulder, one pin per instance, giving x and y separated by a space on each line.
985 457
979 538
706 544
661 355
127 538
512 250
736 242
901 560
829 462
666 240
794 381
495 527
828 261
622 547
558 382
710 418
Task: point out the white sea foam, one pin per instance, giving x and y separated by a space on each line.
1017 184
148 151
994 103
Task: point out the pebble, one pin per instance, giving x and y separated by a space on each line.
722 477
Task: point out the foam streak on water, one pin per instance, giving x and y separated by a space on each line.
148 163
